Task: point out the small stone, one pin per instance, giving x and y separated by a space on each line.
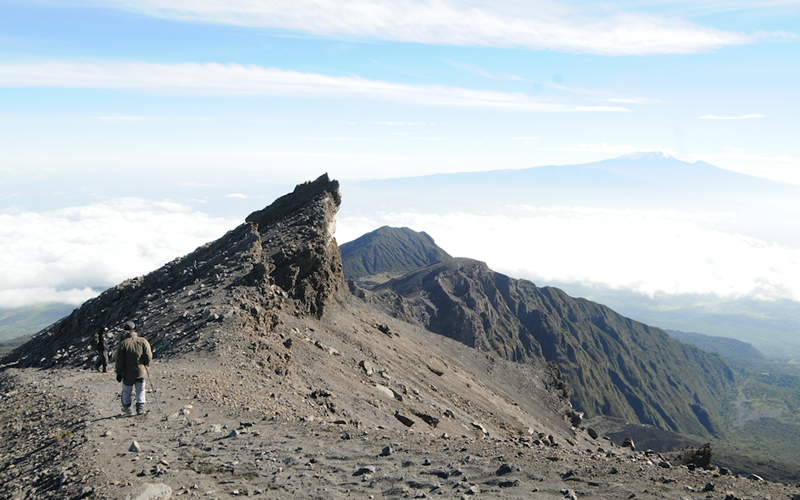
480 427
708 487
386 451
628 443
404 419
754 477
367 366
664 464
149 491
369 469
135 447
506 469
592 433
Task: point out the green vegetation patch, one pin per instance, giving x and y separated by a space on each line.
29 320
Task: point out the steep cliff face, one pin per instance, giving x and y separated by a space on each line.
613 365
283 257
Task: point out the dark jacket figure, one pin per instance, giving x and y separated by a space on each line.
102 350
133 356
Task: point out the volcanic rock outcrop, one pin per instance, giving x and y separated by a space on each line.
282 258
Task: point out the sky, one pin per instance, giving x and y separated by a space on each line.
132 132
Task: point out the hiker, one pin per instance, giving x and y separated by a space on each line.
133 356
102 349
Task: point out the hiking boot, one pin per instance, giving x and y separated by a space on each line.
126 410
140 409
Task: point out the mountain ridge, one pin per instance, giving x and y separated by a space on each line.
607 360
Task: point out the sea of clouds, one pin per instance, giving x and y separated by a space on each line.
71 254
645 251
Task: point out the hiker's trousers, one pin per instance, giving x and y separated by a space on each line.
126 392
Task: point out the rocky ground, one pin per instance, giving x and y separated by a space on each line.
217 428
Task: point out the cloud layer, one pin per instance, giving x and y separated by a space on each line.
69 255
644 251
239 80
536 25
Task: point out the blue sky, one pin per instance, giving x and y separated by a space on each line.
173 112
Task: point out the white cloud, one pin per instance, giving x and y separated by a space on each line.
63 254
645 251
740 117
237 80
21 297
537 25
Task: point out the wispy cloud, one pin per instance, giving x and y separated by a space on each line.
591 94
537 25
740 117
486 74
239 80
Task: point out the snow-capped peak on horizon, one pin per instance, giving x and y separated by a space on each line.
646 155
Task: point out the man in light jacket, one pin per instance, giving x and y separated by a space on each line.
133 357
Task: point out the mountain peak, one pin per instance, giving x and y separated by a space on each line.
646 155
388 252
283 257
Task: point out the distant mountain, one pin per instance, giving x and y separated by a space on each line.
388 252
614 366
645 181
28 320
730 348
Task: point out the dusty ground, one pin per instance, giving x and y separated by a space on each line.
220 428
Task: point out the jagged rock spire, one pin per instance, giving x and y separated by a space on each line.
283 257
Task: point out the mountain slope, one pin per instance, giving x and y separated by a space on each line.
388 252
614 366
729 348
256 333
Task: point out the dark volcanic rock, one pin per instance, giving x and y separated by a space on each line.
624 369
699 457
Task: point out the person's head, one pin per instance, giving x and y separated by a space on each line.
129 326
